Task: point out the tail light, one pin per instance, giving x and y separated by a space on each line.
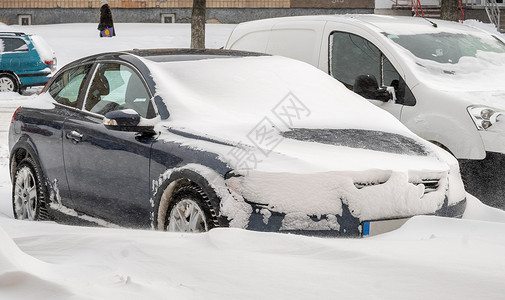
14 114
51 63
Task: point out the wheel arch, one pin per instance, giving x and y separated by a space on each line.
441 146
22 149
209 181
14 76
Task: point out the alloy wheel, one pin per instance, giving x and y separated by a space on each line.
25 195
7 84
187 216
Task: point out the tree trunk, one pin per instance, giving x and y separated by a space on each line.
198 24
449 10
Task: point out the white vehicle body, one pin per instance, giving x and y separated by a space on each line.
451 100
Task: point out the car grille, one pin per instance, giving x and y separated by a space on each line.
430 184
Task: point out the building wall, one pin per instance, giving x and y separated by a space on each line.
189 3
150 11
42 16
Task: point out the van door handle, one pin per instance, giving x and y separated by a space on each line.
75 136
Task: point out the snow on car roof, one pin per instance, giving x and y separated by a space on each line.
245 90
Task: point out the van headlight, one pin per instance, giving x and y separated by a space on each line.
484 117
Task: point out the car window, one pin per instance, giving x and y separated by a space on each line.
116 86
66 87
352 56
13 45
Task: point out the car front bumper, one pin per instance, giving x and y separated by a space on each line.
346 225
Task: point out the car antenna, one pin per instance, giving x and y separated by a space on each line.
432 23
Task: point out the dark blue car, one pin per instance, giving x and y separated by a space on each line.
25 61
189 140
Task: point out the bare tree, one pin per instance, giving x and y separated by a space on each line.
449 10
198 24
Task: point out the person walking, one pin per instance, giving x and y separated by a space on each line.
106 26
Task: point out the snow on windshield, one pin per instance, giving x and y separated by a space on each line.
446 47
452 59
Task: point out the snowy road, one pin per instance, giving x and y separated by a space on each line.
428 258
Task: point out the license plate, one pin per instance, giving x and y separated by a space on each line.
371 228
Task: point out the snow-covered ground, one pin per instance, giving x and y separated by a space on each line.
428 258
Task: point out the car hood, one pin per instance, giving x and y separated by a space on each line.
290 155
481 73
492 98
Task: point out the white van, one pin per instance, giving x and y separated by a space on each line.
444 80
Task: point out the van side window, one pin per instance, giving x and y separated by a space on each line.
352 56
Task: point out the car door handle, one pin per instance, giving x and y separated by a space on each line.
75 136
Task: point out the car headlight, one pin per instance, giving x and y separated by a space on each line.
484 117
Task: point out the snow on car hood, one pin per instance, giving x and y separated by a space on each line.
251 102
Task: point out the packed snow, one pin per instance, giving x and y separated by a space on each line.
427 258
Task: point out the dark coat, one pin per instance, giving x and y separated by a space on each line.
106 18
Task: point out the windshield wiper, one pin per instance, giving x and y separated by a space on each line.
431 22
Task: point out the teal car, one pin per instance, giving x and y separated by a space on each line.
25 61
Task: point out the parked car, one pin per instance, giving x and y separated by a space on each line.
443 80
189 140
25 61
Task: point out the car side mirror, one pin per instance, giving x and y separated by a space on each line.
367 87
125 120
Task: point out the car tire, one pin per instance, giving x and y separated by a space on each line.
190 211
27 191
8 83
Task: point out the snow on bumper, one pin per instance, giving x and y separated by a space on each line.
336 201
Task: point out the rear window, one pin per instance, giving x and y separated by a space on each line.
8 44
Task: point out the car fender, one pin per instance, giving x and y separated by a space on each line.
22 148
442 118
211 182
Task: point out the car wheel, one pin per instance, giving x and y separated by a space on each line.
27 193
8 83
190 211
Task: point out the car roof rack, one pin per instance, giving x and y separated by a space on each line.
13 33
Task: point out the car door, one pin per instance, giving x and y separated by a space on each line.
46 126
107 170
352 56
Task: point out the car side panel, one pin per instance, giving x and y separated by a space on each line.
39 131
27 65
107 171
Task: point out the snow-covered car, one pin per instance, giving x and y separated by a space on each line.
189 140
444 78
25 61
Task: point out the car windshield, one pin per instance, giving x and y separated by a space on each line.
446 47
453 60
362 139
